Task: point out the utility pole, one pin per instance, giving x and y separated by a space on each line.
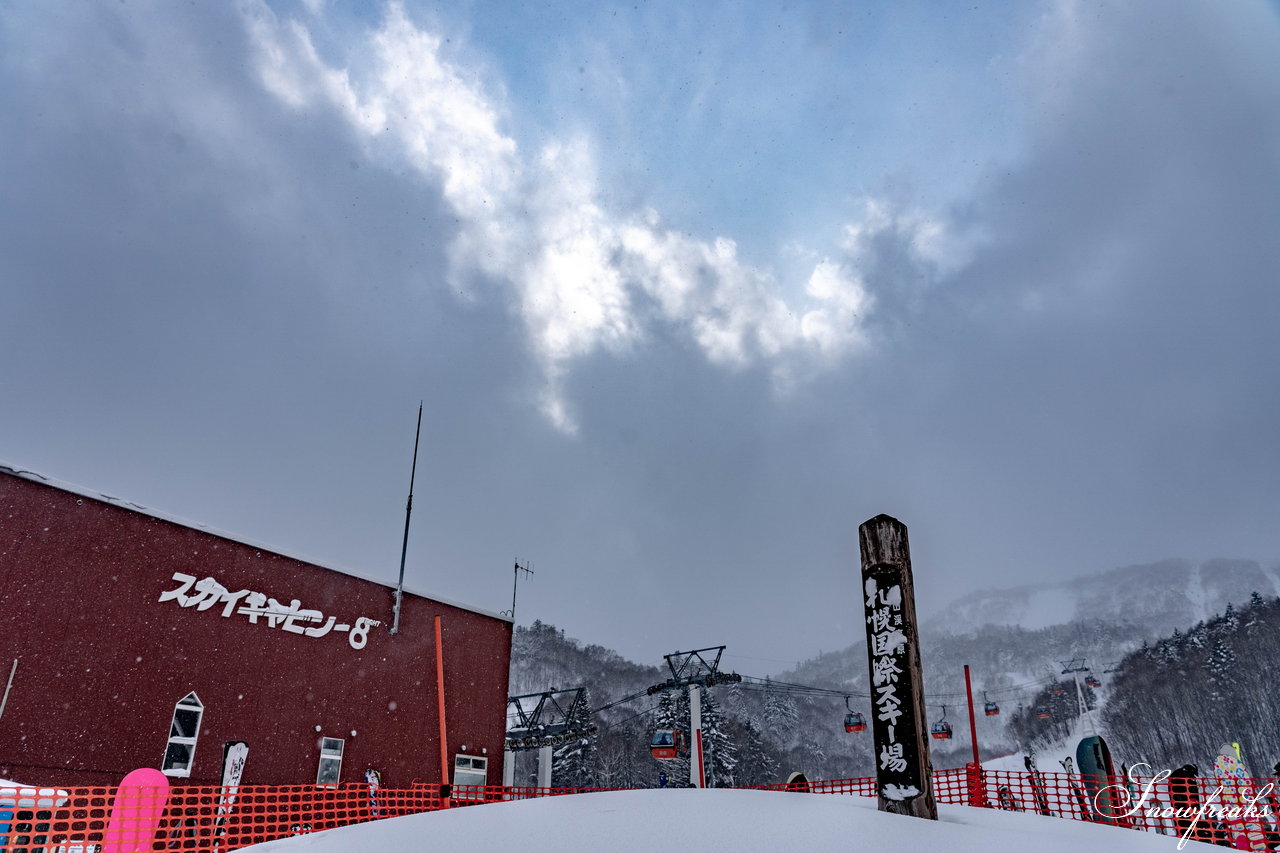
408 511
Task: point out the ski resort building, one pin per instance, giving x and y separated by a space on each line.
129 639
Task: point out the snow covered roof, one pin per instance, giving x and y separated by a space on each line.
37 477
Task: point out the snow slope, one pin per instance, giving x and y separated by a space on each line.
720 820
1049 759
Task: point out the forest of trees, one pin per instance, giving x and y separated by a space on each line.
1181 698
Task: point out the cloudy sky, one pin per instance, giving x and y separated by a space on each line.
688 291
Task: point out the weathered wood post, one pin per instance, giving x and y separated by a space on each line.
904 771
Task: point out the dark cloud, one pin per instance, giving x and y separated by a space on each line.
225 308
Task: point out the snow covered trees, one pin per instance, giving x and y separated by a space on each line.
672 713
780 715
573 765
721 754
1191 692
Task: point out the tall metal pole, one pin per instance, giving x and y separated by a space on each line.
1074 667
1085 710
973 725
973 774
408 511
697 765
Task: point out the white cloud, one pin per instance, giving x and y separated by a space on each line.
582 276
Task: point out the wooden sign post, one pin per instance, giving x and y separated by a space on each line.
904 772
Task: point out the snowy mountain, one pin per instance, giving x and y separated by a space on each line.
1016 642
1155 596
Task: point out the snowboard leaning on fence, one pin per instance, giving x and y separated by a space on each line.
1093 760
373 779
234 755
1246 832
136 812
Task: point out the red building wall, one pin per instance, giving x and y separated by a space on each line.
103 661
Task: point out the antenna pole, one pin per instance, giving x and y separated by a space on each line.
514 586
408 511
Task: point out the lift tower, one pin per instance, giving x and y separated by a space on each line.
695 670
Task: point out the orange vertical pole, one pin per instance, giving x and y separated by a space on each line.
977 791
444 742
973 726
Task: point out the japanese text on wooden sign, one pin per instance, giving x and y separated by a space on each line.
205 594
898 767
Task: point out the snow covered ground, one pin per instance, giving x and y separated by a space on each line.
1049 759
709 821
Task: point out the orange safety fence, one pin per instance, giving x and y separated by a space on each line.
1202 809
200 818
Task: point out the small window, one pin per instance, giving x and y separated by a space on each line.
330 770
180 753
470 770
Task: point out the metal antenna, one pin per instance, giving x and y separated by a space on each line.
514 586
408 511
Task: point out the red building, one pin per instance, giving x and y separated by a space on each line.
130 640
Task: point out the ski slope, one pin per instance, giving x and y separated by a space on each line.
1049 758
710 821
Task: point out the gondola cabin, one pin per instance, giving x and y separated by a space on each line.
941 730
1043 713
667 743
853 722
991 709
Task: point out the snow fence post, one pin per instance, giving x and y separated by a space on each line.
904 771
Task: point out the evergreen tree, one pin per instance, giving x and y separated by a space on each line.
757 764
720 754
573 764
1230 619
673 713
1222 672
780 716
1254 613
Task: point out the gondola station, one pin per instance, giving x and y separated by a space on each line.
129 639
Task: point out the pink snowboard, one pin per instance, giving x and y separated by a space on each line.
140 802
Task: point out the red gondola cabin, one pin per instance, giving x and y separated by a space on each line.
667 743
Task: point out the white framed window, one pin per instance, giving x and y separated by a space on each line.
330 769
180 753
470 770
